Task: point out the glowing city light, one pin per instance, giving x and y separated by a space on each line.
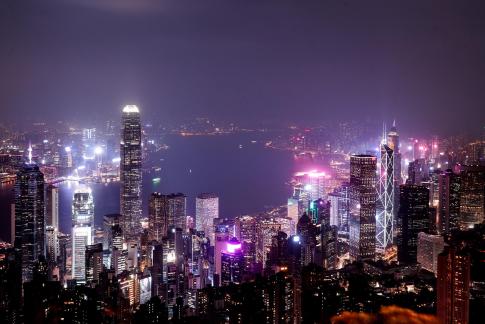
296 239
116 160
98 150
233 247
131 109
67 149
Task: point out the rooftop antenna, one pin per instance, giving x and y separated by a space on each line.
30 153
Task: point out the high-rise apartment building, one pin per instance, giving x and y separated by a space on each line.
130 171
363 196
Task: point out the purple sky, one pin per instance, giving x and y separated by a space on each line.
422 62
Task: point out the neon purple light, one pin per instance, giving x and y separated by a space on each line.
231 248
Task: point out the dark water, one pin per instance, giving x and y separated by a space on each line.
246 179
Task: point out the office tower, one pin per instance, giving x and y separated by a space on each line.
52 225
340 207
363 196
278 256
265 230
206 210
173 267
307 232
130 171
82 231
418 171
449 186
109 221
177 211
393 144
472 200
52 207
293 209
453 286
232 263
94 262
222 235
29 218
413 218
245 232
429 247
157 216
166 212
307 187
385 201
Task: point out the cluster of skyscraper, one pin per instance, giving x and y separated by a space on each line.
167 266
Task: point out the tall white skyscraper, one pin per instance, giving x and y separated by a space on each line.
82 231
206 210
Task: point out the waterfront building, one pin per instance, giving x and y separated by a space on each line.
130 171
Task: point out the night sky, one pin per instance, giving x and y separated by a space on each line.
422 62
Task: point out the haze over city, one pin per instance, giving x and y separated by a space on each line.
210 161
420 62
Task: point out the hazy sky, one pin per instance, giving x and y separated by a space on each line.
420 61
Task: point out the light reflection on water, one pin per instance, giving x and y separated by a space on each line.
246 176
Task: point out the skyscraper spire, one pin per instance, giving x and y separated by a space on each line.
30 153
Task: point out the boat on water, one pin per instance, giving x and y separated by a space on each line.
156 180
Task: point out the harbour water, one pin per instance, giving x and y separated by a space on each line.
247 177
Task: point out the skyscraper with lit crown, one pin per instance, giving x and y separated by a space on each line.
130 171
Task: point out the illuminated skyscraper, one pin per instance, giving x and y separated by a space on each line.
52 224
393 144
232 263
385 202
206 210
82 231
29 218
413 218
52 207
130 171
166 212
363 196
307 187
339 208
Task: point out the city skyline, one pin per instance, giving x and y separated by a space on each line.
242 162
